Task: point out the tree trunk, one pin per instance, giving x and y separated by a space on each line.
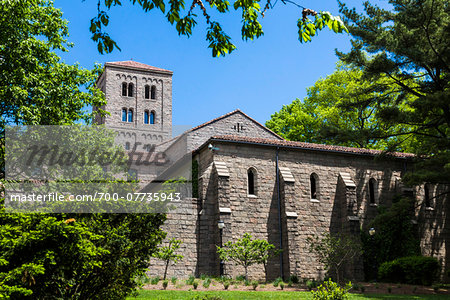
246 273
165 270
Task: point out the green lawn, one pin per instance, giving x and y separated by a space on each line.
157 294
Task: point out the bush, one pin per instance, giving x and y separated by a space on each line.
206 282
330 290
203 276
226 284
310 284
174 280
240 278
155 280
411 270
255 284
282 285
165 283
294 279
195 284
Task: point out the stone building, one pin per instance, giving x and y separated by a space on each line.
255 181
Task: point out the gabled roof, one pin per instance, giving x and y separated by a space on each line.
306 146
237 111
131 64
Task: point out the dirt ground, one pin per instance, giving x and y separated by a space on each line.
369 288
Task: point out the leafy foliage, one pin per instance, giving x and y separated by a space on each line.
411 270
409 45
220 43
330 290
333 251
246 252
167 254
395 236
338 110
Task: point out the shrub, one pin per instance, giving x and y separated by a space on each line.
155 280
195 284
331 290
290 283
363 289
203 276
389 290
294 278
165 283
174 280
247 282
282 285
411 270
226 284
190 280
255 284
206 282
277 281
240 278
310 284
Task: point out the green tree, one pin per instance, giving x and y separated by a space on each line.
246 252
409 44
220 43
336 112
334 251
167 254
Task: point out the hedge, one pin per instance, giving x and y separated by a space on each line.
411 270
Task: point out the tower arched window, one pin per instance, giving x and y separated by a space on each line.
124 88
147 92
152 117
130 89
146 117
124 114
130 115
251 181
153 92
314 188
372 190
427 195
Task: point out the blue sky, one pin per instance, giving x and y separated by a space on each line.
258 78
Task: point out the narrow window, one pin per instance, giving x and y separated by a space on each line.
372 184
127 146
313 185
147 92
152 117
130 90
124 89
427 195
146 117
124 114
153 92
130 115
251 182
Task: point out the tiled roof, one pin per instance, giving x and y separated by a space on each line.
229 114
136 65
308 146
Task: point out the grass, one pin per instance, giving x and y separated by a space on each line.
158 294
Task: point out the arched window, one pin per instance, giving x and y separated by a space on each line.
130 89
153 92
313 181
251 174
147 92
124 114
372 190
152 117
124 88
427 195
127 146
146 117
130 115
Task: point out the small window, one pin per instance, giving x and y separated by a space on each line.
427 195
124 89
147 92
313 186
124 114
153 92
130 89
127 146
146 117
152 117
372 190
251 181
130 115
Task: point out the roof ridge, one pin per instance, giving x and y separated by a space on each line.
136 64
